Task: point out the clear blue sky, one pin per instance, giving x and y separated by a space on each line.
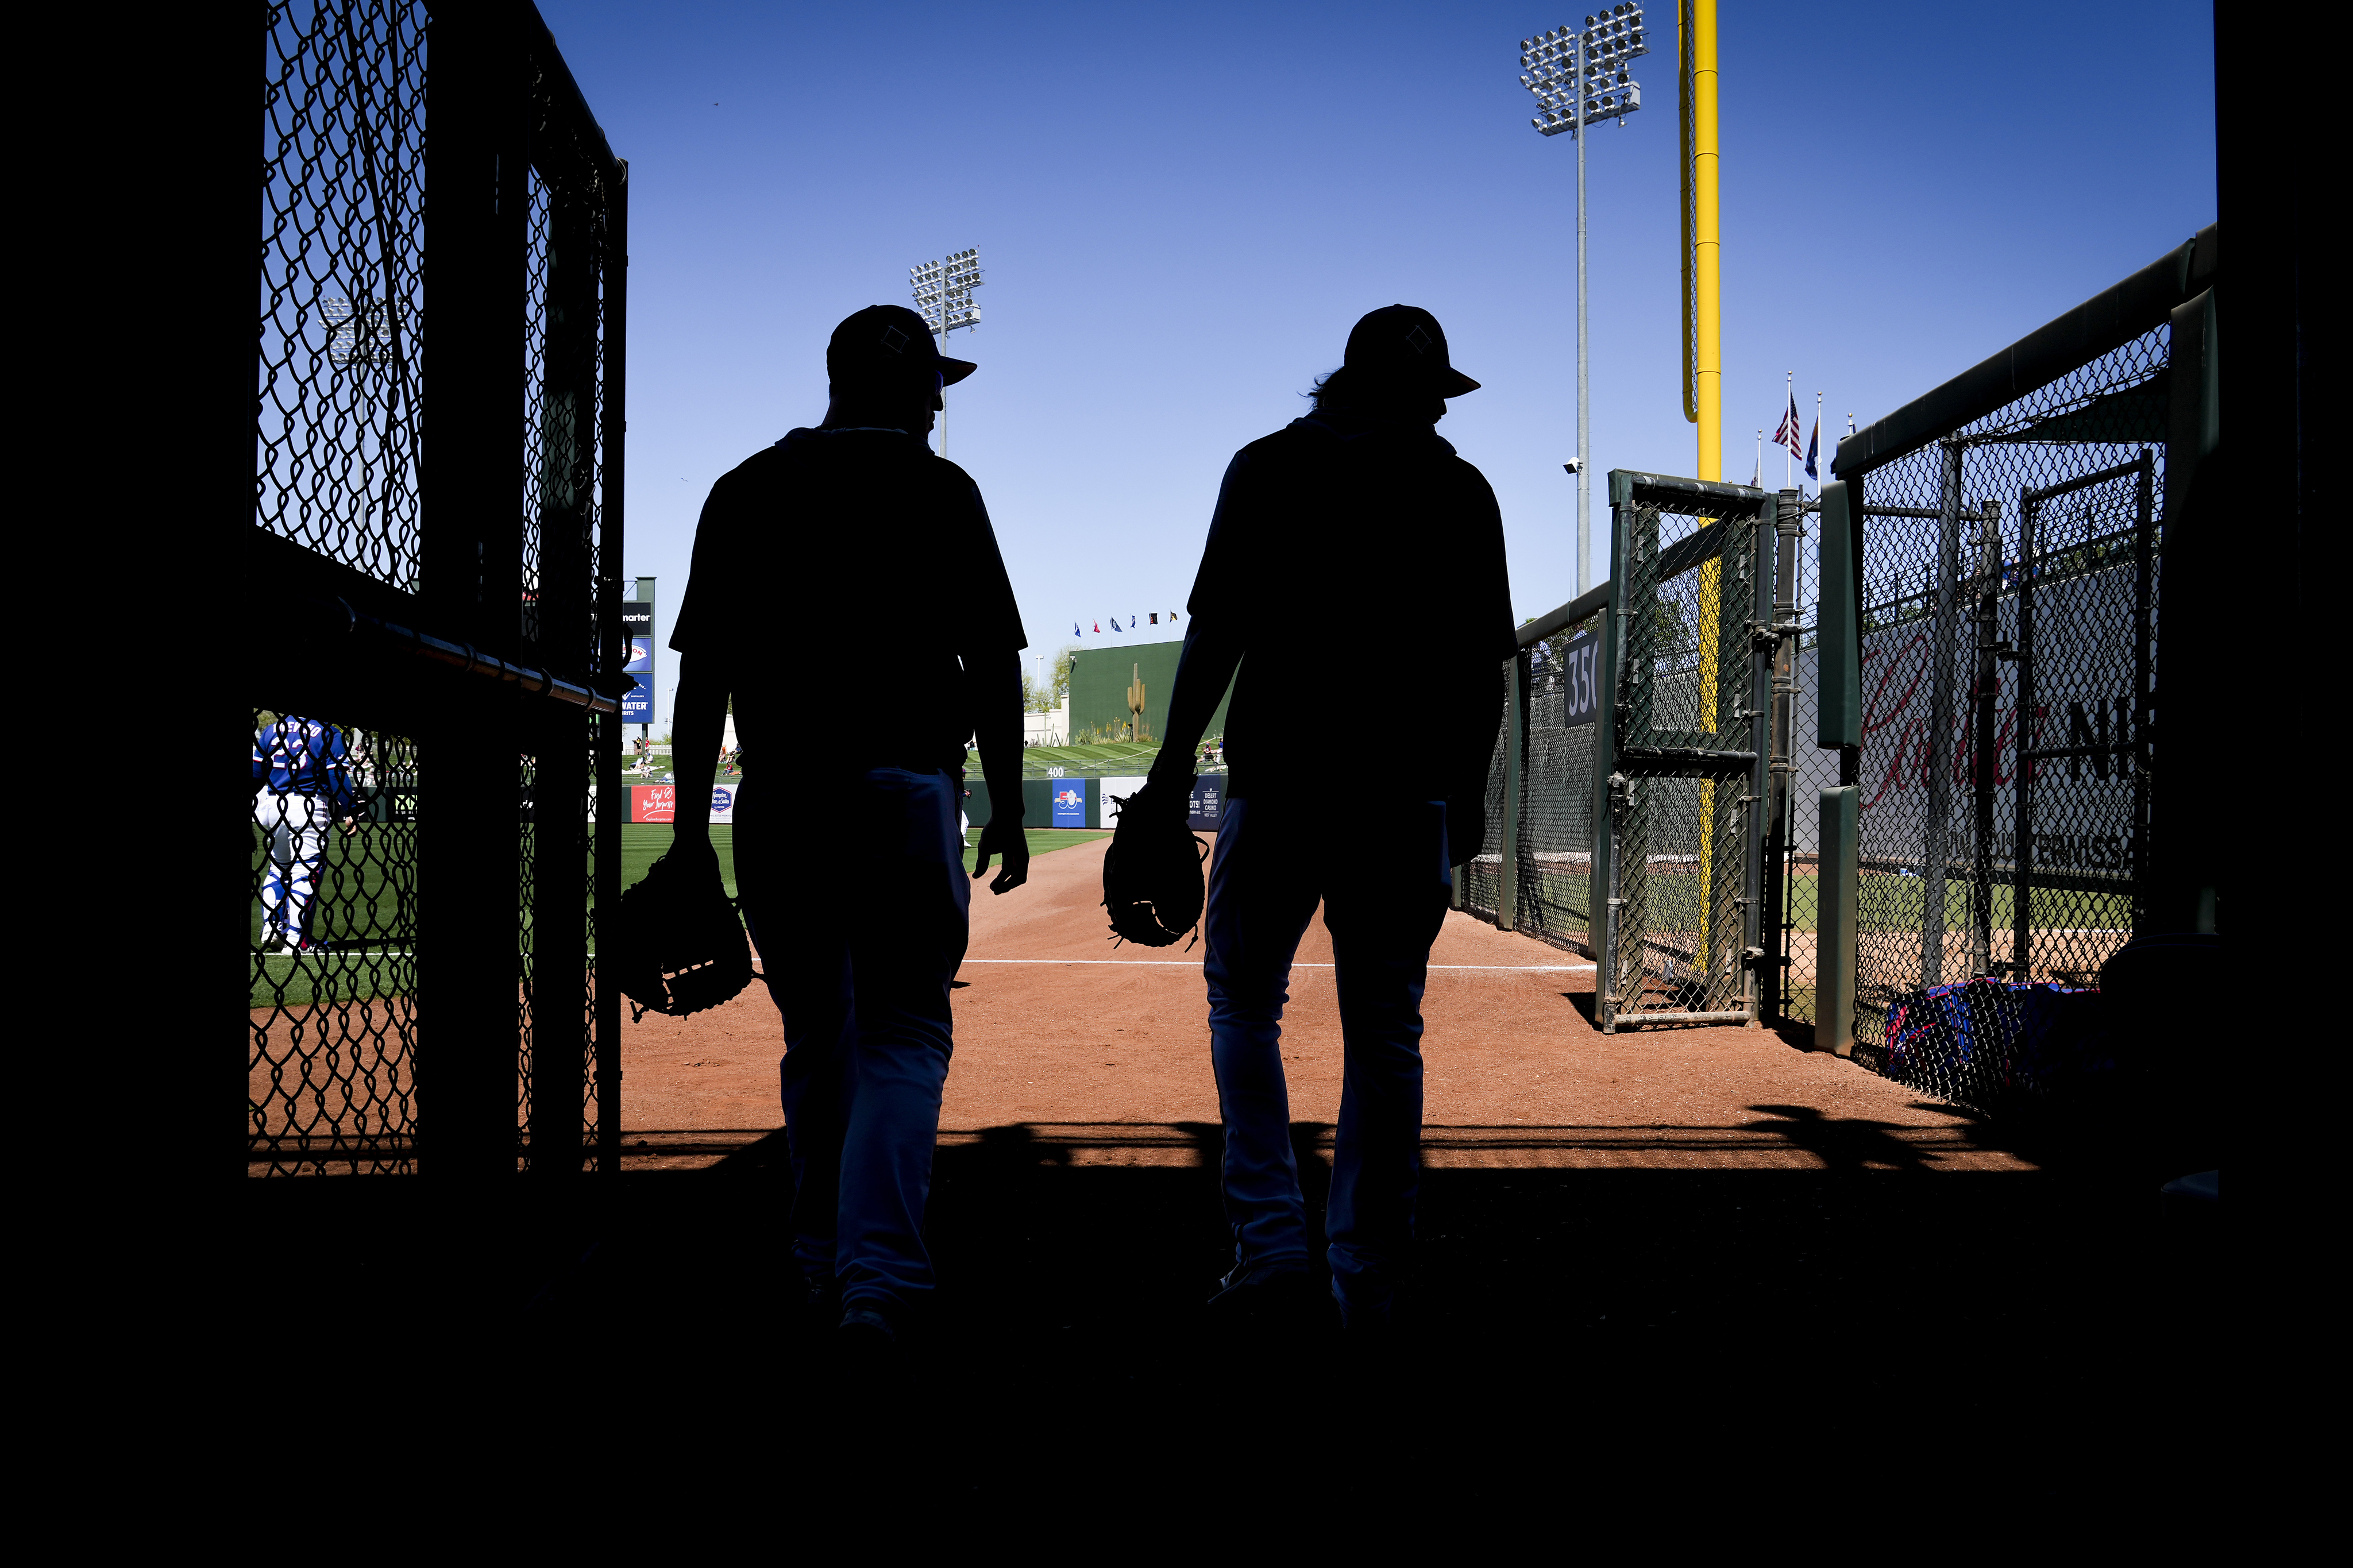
1182 209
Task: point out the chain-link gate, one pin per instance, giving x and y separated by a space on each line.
2007 538
435 671
1684 735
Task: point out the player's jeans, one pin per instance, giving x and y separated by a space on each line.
1382 876
296 826
859 951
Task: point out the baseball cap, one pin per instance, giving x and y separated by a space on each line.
1405 344
887 338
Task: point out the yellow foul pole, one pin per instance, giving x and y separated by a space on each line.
1707 244
1704 375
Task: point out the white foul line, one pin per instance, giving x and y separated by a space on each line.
1180 964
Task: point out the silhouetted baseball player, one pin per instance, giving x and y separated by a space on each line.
793 548
1360 506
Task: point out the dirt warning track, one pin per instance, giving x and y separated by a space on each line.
1102 1051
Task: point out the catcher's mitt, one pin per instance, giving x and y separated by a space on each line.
681 947
1152 872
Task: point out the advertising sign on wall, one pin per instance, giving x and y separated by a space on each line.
659 803
1071 803
638 704
1109 792
1580 682
1208 801
641 655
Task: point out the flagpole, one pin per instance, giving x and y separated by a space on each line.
1818 425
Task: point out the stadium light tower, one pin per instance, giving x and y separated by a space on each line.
1579 77
943 292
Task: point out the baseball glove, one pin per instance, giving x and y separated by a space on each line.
681 947
1152 872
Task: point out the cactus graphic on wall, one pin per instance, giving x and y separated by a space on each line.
1136 704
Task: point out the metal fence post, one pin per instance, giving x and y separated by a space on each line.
1984 708
1838 657
469 850
612 795
1515 737
1604 893
1788 519
1775 610
1936 851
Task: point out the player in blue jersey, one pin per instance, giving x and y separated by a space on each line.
301 781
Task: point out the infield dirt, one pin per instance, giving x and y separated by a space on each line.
1104 1050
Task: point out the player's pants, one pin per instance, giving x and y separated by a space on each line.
859 951
297 828
1383 879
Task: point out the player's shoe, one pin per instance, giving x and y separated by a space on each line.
868 1346
1280 1299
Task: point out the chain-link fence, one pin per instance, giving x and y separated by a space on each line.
1540 790
2009 570
435 702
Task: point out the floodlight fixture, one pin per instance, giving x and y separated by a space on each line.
1579 76
359 331
942 291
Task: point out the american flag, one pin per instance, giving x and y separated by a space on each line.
1790 435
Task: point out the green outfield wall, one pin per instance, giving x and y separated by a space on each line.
1100 677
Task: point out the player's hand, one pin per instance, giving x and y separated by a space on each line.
351 826
1010 842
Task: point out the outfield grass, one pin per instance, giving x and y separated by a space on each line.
359 910
1888 903
1112 758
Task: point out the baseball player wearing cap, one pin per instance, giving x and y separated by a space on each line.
859 963
301 780
1360 503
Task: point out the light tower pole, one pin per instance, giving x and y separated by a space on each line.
1579 77
943 292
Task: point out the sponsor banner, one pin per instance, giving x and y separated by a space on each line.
638 619
1580 683
659 803
1069 798
1919 767
1208 801
641 654
1106 802
638 704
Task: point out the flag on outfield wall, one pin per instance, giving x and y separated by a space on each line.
1786 435
1813 448
1074 630
1172 617
1098 628
1153 619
